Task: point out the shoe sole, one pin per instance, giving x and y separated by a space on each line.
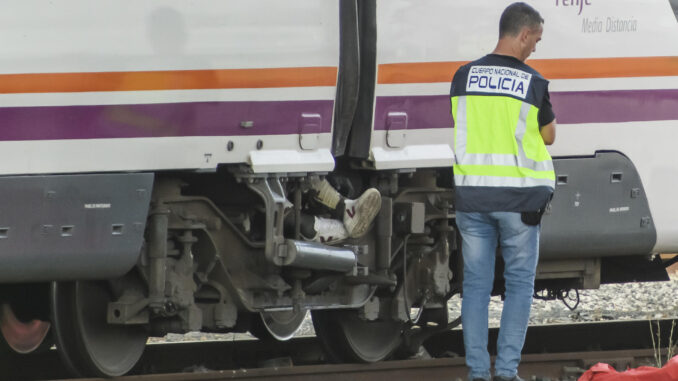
367 207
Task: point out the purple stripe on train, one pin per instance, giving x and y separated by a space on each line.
433 111
615 106
161 120
426 111
284 117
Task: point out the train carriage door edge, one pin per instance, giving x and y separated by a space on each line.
357 78
348 80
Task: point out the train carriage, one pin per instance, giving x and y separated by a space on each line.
151 152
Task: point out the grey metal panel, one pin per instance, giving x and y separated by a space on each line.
64 227
599 209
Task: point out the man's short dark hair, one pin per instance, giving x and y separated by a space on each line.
517 16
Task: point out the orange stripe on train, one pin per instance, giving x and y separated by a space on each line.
570 68
168 80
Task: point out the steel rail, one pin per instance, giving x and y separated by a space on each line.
552 366
548 350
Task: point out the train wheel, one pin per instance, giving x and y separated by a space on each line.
87 344
348 338
22 336
278 325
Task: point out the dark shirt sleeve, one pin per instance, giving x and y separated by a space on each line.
453 85
453 88
452 92
546 115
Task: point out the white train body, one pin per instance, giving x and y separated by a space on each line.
188 74
167 85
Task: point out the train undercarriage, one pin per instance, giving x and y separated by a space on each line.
217 256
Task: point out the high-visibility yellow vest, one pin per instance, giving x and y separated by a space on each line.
501 161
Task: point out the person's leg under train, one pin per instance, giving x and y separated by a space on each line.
357 215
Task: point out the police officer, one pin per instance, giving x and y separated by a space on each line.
504 178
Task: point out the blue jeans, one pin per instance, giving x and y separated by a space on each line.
519 243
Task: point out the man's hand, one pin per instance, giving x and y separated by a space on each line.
548 133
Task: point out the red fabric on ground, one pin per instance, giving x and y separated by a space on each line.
604 372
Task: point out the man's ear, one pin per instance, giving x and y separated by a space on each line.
524 34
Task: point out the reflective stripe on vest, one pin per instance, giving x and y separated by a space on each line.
483 166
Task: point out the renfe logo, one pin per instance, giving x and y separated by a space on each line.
573 3
498 80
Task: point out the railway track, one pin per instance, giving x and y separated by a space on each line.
562 366
551 352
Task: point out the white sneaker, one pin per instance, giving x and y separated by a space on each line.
328 231
358 214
